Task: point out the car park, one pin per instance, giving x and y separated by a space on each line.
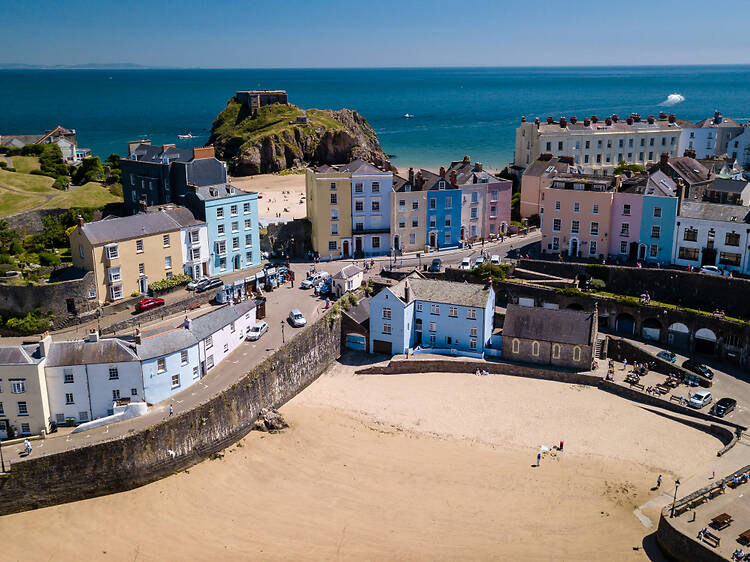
465 264
700 399
435 265
195 282
698 368
297 318
257 331
495 259
207 284
147 304
724 406
710 270
667 356
479 261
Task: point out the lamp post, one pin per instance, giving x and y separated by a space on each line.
674 500
2 461
283 341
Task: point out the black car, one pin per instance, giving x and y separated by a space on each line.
724 407
207 284
276 263
435 265
698 368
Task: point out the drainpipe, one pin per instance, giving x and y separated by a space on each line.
88 388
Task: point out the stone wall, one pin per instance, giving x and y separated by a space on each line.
195 299
619 350
30 222
143 457
678 546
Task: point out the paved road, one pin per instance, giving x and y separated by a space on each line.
249 354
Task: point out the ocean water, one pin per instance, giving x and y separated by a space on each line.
456 111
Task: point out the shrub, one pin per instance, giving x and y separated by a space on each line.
32 323
91 169
116 189
3 164
6 258
166 284
62 182
569 291
353 300
49 259
597 285
494 272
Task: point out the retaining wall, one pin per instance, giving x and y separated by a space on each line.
157 313
678 546
143 457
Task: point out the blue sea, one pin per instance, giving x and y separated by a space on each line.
456 111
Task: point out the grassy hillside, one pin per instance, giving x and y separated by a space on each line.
12 202
26 182
89 195
24 164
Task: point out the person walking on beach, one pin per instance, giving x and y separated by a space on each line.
171 410
658 481
539 459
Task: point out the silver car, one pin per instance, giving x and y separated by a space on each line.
257 331
297 318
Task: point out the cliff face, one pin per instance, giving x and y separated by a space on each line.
275 140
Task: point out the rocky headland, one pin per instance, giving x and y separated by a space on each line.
286 137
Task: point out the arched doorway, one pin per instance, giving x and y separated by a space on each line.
678 335
237 261
574 306
642 252
705 341
433 239
651 329
625 324
345 248
573 247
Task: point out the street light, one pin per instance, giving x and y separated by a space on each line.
674 500
283 341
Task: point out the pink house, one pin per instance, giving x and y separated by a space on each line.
498 207
625 225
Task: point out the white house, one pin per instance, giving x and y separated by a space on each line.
85 377
169 363
221 331
194 243
739 148
348 279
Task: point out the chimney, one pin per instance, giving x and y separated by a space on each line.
80 221
618 182
615 117
662 115
689 152
574 119
188 323
523 119
93 335
537 122
407 291
44 344
680 195
586 122
636 117
550 120
608 121
132 145
467 159
717 117
200 152
419 180
166 146
453 178
138 336
594 119
442 171
411 176
672 118
478 166
651 119
664 162
563 122
629 120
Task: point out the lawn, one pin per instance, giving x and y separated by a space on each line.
24 164
27 182
92 195
12 202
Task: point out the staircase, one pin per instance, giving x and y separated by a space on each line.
599 347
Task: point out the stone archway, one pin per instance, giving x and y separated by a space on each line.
678 336
574 306
625 324
705 341
651 329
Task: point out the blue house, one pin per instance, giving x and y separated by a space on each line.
232 219
444 316
443 210
658 218
371 208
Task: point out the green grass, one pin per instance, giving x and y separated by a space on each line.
27 182
24 164
12 202
91 195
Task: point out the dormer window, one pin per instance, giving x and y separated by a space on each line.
441 184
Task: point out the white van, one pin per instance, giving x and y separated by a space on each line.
495 260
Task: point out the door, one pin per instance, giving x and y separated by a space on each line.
237 261
358 245
433 239
633 253
642 252
573 247
396 242
418 332
463 232
380 346
143 285
345 249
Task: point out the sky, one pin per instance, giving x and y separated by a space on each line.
374 33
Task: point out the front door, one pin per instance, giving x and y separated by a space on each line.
143 285
237 261
573 247
396 244
433 241
345 249
358 245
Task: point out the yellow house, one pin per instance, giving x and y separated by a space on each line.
128 253
24 405
329 209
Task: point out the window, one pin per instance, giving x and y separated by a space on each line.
139 246
235 243
690 254
412 238
248 239
114 274
640 154
576 207
655 231
473 331
165 240
332 245
387 313
625 229
376 242
449 203
209 362
221 247
17 386
557 205
375 206
386 328
556 351
623 247
549 147
473 343
415 205
68 376
233 210
653 251
220 213
83 416
598 158
690 235
113 251
113 374
447 237
161 365
220 230
592 247
433 327
115 292
471 314
559 145
588 144
23 409
133 392
183 357
474 197
626 210
651 154
453 311
226 348
651 141
195 254
516 345
432 339
246 206
434 309
69 398
235 226
167 262
2 410
535 349
727 258
657 211
576 353
401 223
594 231
433 203
333 186
556 225
448 221
334 199
359 206
473 212
419 307
195 372
232 328
25 429
359 188
375 187
732 239
493 211
574 227
80 251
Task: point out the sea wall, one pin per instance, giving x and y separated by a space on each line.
143 457
678 546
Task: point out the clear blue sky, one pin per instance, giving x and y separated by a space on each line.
333 33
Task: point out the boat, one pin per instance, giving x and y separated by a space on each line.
408 115
185 137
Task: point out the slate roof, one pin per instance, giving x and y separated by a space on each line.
133 226
20 355
359 166
348 272
727 185
205 171
213 321
539 167
183 217
444 292
165 343
715 212
550 325
660 183
82 352
399 184
360 313
711 122
220 191
155 153
689 169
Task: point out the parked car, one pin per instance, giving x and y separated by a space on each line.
148 304
698 368
465 264
495 259
309 283
256 331
326 288
195 282
710 270
479 261
435 265
297 318
700 399
207 284
667 356
724 406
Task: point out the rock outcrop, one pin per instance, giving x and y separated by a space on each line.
284 137
270 420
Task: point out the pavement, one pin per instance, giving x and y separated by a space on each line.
247 355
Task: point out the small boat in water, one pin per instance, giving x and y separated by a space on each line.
185 137
408 115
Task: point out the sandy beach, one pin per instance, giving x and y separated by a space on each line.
281 196
429 467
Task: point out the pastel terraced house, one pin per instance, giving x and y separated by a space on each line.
538 176
408 215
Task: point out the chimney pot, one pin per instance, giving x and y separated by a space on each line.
586 122
523 119
563 122
411 176
442 171
608 121
594 119
574 119
662 115
615 117
651 119
550 120
80 221
467 159
672 118
478 166
629 120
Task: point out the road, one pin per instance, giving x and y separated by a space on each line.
249 354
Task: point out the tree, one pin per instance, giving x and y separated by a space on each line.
623 167
91 169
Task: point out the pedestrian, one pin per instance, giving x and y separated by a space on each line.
171 410
539 459
658 481
625 365
27 446
561 445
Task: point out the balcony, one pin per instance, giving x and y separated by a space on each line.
372 230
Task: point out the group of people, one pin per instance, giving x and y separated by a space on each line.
738 479
739 555
481 373
645 298
652 390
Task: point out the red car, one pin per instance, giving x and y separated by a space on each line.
147 304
